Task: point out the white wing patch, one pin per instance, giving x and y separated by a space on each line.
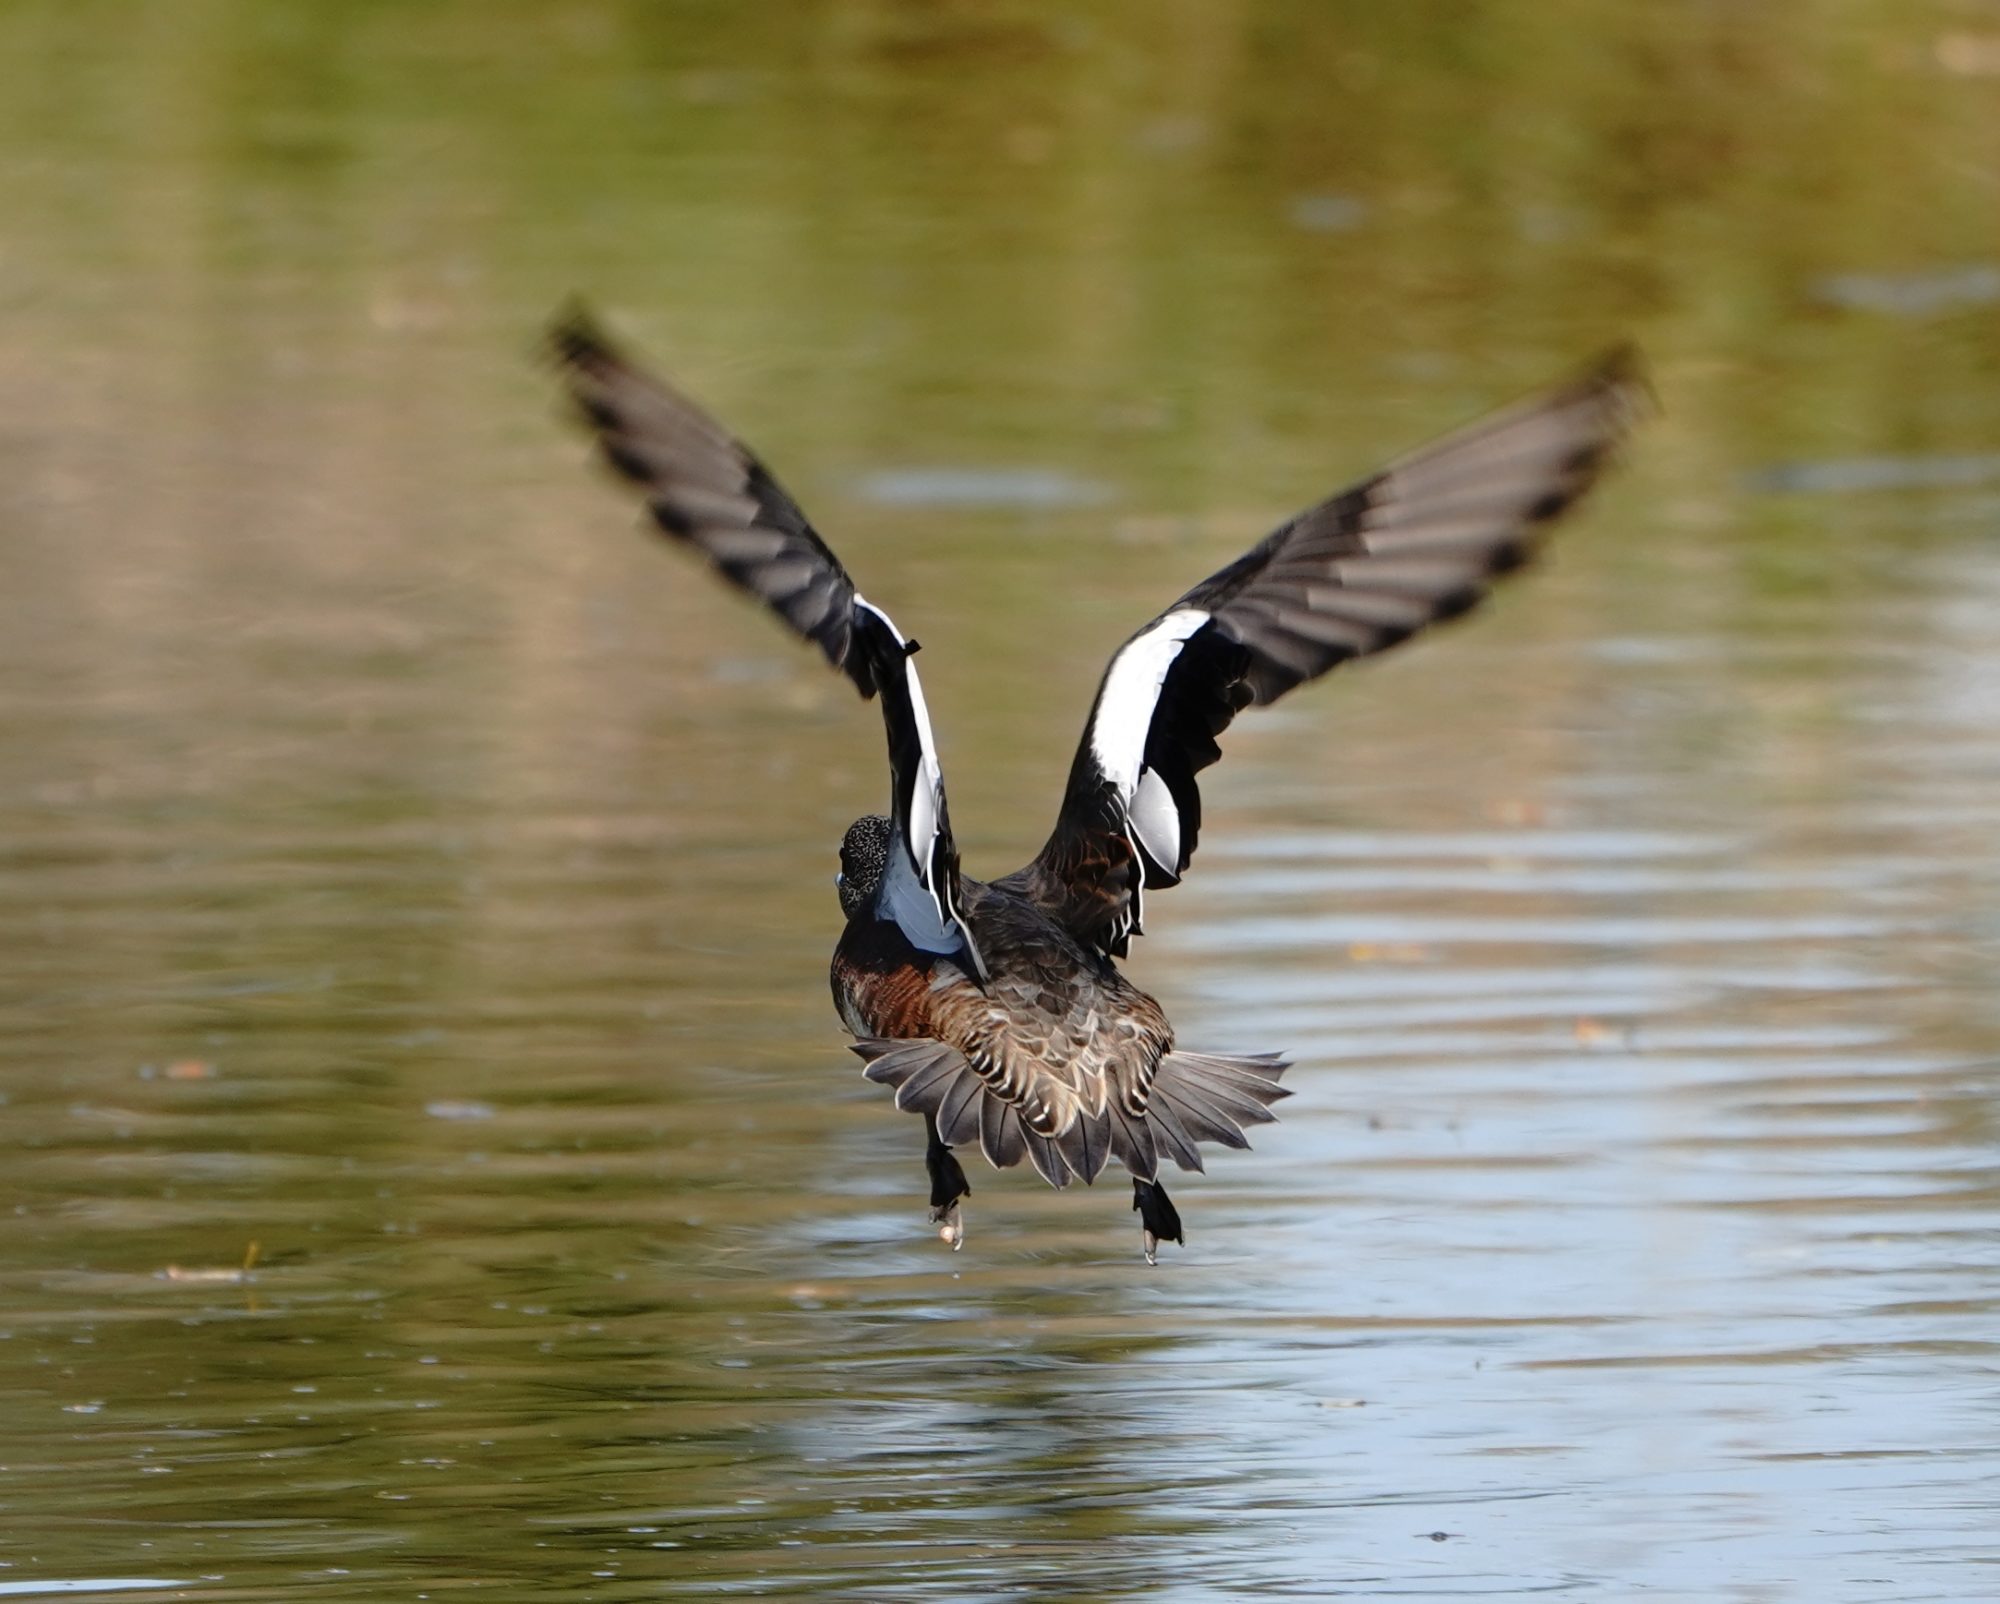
1125 709
1156 821
1131 692
926 800
915 900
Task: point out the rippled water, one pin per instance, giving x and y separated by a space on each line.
429 1158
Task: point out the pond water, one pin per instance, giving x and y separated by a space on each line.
429 1159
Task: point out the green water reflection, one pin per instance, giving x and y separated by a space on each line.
411 873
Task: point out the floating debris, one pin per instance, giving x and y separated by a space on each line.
1388 952
218 1276
180 1069
458 1108
1604 1033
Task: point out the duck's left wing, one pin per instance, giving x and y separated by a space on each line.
1419 542
706 489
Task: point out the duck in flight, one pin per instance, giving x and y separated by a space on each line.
995 1009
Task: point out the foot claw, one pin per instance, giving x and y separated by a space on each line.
951 1225
1152 1247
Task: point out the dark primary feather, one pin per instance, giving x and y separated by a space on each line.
706 488
1417 543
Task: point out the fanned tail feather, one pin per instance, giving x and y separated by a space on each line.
1047 1159
931 1077
958 1110
1002 1137
1132 1142
924 1072
1171 1137
1086 1145
1193 1098
1210 1097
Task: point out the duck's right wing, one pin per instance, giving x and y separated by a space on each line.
706 489
1416 543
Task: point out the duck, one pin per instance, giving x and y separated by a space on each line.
995 1010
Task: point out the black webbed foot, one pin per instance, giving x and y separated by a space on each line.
948 1185
1159 1220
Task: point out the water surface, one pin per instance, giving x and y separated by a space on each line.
430 1160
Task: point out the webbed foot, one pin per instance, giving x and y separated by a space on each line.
948 1186
1159 1221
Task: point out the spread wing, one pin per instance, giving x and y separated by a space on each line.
706 489
1417 543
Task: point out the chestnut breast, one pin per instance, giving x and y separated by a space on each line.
881 984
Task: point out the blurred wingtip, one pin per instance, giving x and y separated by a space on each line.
1622 368
575 338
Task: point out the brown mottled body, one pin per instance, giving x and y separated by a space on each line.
1056 1031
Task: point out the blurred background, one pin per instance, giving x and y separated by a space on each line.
430 1159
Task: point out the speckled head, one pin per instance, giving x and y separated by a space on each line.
864 854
